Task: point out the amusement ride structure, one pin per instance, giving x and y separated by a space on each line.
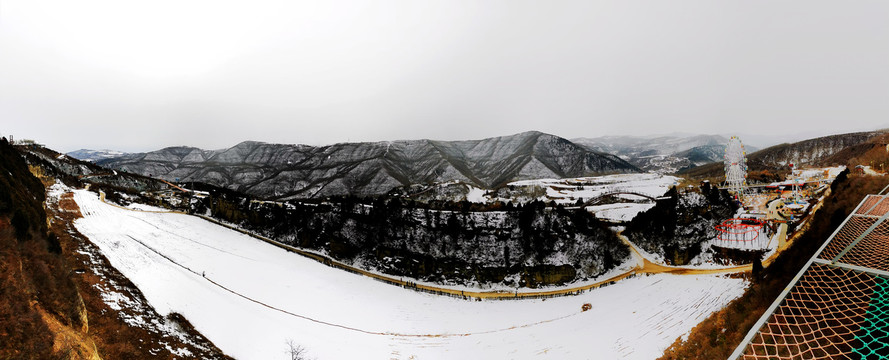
743 233
736 167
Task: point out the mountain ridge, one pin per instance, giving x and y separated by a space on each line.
820 151
95 155
285 171
661 153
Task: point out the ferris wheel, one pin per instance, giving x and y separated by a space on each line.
735 166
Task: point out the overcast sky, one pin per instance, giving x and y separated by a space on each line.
141 75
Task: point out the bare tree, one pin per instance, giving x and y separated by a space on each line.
296 351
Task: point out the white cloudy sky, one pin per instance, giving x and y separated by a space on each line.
140 75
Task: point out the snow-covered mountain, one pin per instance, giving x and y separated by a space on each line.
94 155
649 145
816 151
823 151
280 171
663 154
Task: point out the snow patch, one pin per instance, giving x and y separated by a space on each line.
476 195
621 212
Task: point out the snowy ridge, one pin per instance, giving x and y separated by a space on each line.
95 155
280 171
662 154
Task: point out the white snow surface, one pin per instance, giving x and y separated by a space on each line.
476 195
833 172
144 207
56 190
339 315
566 191
618 212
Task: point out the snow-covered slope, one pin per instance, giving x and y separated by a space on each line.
95 155
282 171
566 191
648 145
249 298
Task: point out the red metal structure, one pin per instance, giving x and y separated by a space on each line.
741 233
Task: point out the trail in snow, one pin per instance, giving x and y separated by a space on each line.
633 319
329 323
187 239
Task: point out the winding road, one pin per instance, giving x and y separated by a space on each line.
644 265
216 277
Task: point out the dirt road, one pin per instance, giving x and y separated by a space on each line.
644 266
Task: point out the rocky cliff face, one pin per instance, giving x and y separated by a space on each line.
279 171
677 225
450 243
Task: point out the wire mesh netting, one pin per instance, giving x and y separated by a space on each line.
881 208
847 234
818 319
868 204
835 311
874 333
875 205
872 251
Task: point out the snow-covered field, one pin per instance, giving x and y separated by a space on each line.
585 188
618 212
568 191
249 298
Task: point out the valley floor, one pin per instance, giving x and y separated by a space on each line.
249 298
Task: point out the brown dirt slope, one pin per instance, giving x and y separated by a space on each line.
111 322
52 285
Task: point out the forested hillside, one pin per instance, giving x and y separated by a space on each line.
676 226
771 164
34 282
443 242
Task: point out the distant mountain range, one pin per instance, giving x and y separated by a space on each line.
95 155
663 154
278 171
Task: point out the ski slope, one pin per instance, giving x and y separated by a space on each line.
249 298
